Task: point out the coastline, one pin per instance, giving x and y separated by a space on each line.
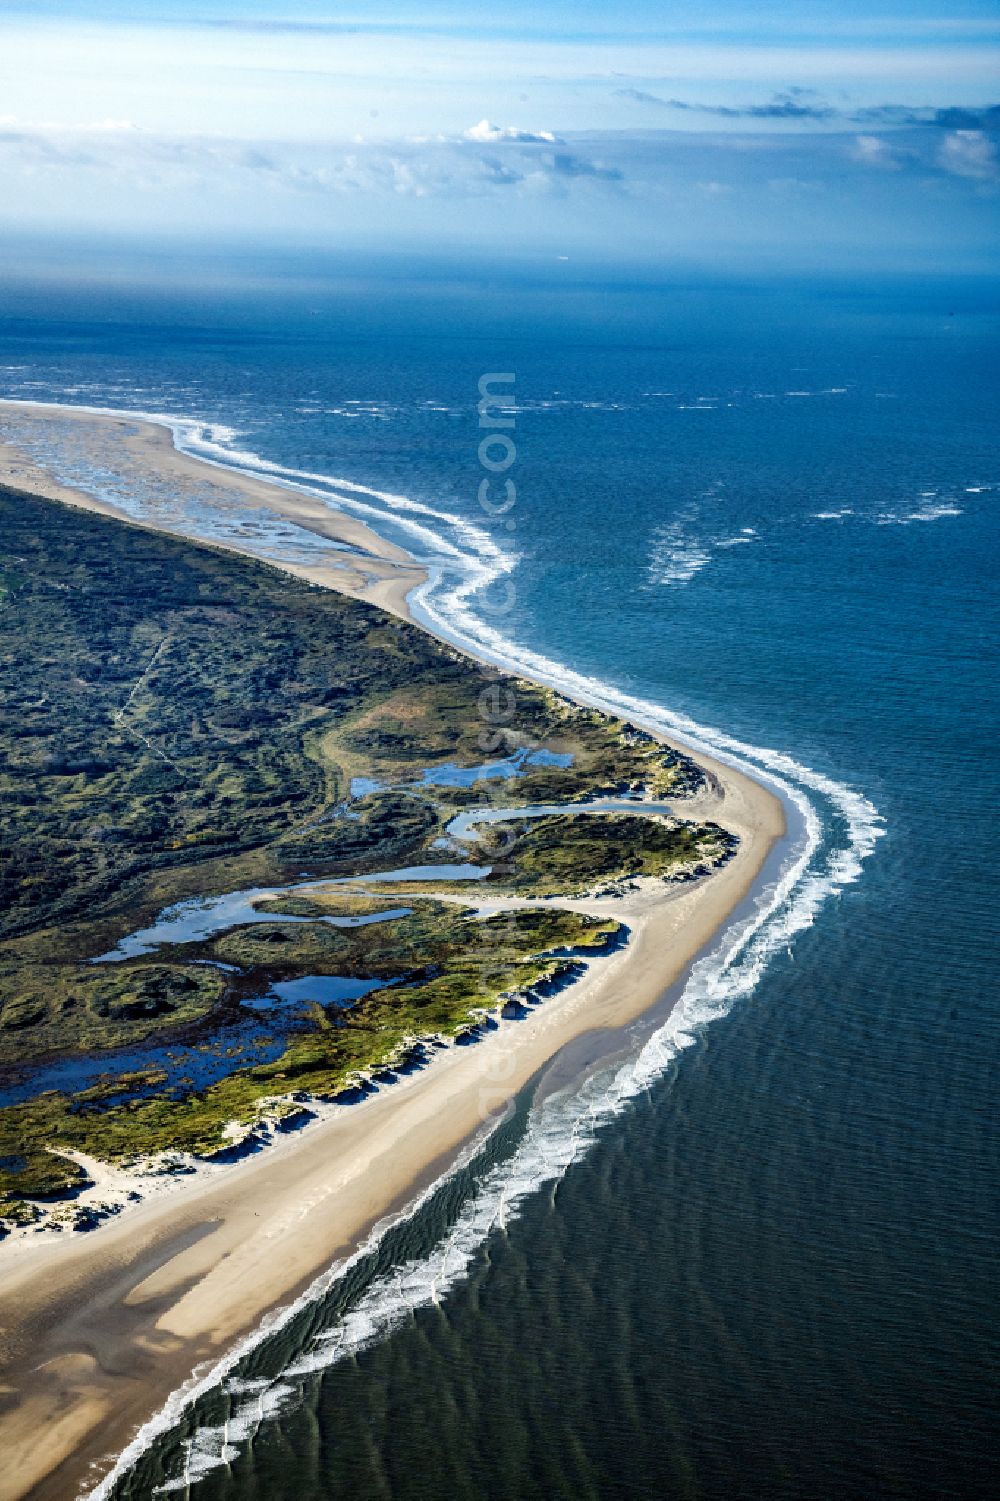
171 1284
369 567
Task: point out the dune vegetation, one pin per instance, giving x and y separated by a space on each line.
181 722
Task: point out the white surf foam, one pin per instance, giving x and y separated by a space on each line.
466 563
559 1132
927 512
473 551
679 549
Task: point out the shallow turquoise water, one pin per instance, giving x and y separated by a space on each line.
765 1269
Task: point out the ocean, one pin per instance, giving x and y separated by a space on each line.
749 1252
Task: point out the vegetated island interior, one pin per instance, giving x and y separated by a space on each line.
181 724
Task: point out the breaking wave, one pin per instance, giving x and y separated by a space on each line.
839 829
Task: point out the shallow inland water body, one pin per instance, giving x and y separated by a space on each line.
770 1273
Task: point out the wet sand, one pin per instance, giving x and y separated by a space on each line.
370 568
98 1330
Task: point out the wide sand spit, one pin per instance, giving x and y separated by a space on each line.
98 1330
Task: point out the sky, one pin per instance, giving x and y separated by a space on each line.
820 133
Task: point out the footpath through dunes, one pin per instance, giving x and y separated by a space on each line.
188 726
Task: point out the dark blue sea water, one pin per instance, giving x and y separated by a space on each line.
751 1256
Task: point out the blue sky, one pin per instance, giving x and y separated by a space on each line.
825 132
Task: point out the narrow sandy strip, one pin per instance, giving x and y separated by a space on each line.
374 569
98 1330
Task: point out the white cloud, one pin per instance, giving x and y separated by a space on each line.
875 151
969 153
487 134
706 189
124 156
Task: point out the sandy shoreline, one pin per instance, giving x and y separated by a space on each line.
99 1330
369 568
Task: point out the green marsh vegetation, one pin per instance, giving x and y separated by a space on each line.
567 855
180 722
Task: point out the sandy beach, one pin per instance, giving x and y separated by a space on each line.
98 1330
368 568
